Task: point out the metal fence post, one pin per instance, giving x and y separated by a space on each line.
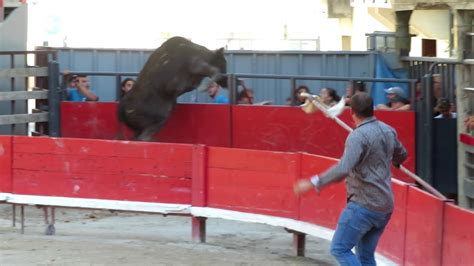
54 99
425 136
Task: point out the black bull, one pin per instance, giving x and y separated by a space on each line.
176 67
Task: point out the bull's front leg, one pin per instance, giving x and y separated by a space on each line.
202 68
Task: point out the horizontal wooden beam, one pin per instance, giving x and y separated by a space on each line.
23 95
23 118
24 72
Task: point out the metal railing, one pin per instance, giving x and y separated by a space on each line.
15 88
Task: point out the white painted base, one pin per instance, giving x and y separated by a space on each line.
166 208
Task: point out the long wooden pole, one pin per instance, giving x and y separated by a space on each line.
418 179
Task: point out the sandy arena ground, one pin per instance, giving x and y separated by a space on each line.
90 237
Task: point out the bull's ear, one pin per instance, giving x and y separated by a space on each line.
219 51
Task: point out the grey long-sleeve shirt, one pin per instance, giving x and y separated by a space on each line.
369 152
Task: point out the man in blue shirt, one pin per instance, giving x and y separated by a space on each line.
81 92
217 94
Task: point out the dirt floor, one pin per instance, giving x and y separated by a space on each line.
88 237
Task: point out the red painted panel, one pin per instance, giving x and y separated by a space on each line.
424 228
278 128
190 123
101 169
129 187
199 176
5 164
392 242
466 139
95 120
322 209
252 181
289 129
458 236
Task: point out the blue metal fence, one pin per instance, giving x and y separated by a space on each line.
339 64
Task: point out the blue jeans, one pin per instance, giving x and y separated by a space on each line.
361 228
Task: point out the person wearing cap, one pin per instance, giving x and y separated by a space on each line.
397 100
443 106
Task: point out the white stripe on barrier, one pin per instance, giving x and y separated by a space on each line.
304 227
167 208
4 196
118 205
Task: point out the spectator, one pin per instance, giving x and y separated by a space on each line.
297 98
354 87
329 96
444 108
82 91
217 94
126 85
469 124
396 100
245 96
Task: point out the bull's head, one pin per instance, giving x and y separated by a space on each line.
218 61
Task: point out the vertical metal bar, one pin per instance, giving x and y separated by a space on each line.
13 215
12 88
22 215
54 99
118 87
293 91
299 243
428 130
45 212
53 215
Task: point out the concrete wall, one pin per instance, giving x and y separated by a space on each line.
13 37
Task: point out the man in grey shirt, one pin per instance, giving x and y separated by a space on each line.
369 152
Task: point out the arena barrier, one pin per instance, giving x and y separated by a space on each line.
276 128
243 169
221 182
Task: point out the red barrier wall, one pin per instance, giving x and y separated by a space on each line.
424 228
190 123
392 243
278 128
5 164
322 209
458 236
150 172
252 181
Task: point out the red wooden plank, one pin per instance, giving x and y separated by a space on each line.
102 148
257 192
136 187
190 123
466 139
96 120
424 228
5 164
207 124
392 243
83 164
322 209
290 129
199 179
458 236
264 161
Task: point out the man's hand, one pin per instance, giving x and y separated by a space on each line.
302 186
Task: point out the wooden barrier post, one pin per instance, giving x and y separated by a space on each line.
299 238
199 191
